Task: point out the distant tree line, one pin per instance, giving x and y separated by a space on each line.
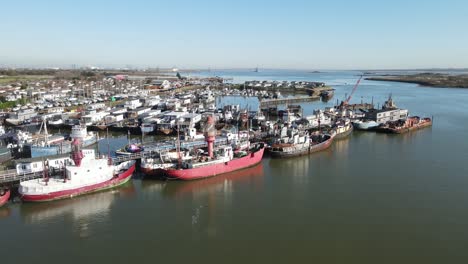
16 72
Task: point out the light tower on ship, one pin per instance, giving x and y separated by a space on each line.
77 153
210 134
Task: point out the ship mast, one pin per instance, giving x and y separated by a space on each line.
179 158
46 132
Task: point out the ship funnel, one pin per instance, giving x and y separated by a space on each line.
77 154
210 134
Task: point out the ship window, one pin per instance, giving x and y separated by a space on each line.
100 168
23 167
88 170
34 165
75 173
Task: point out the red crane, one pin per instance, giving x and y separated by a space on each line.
346 102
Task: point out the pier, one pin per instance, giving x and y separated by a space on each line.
282 101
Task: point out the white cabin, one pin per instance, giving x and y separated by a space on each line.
133 104
96 106
93 118
26 166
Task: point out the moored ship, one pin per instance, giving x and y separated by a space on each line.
342 128
83 174
4 196
214 162
375 117
327 94
403 126
56 144
316 142
365 124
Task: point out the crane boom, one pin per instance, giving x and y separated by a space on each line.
352 92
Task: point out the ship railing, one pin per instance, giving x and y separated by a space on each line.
11 176
8 175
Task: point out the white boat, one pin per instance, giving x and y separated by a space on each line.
56 122
365 124
84 174
342 128
81 132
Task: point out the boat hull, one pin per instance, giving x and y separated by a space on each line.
404 129
369 125
250 160
345 134
120 179
4 196
149 171
311 149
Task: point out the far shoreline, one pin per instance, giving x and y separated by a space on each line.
438 80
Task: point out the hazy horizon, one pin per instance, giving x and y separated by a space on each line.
305 35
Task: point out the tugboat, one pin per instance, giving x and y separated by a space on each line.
4 196
85 174
213 162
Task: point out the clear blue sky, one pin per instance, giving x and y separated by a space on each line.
327 34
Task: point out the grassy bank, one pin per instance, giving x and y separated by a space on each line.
427 79
22 78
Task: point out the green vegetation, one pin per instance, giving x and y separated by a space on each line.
6 105
10 104
18 72
21 78
427 79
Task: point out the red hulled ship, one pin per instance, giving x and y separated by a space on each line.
214 162
85 174
4 196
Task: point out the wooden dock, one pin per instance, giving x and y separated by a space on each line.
283 101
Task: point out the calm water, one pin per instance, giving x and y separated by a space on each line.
371 198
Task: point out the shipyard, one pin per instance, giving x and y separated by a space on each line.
183 129
233 132
78 147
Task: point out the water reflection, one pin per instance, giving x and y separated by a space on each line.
213 198
222 184
296 168
82 211
341 146
152 187
5 212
